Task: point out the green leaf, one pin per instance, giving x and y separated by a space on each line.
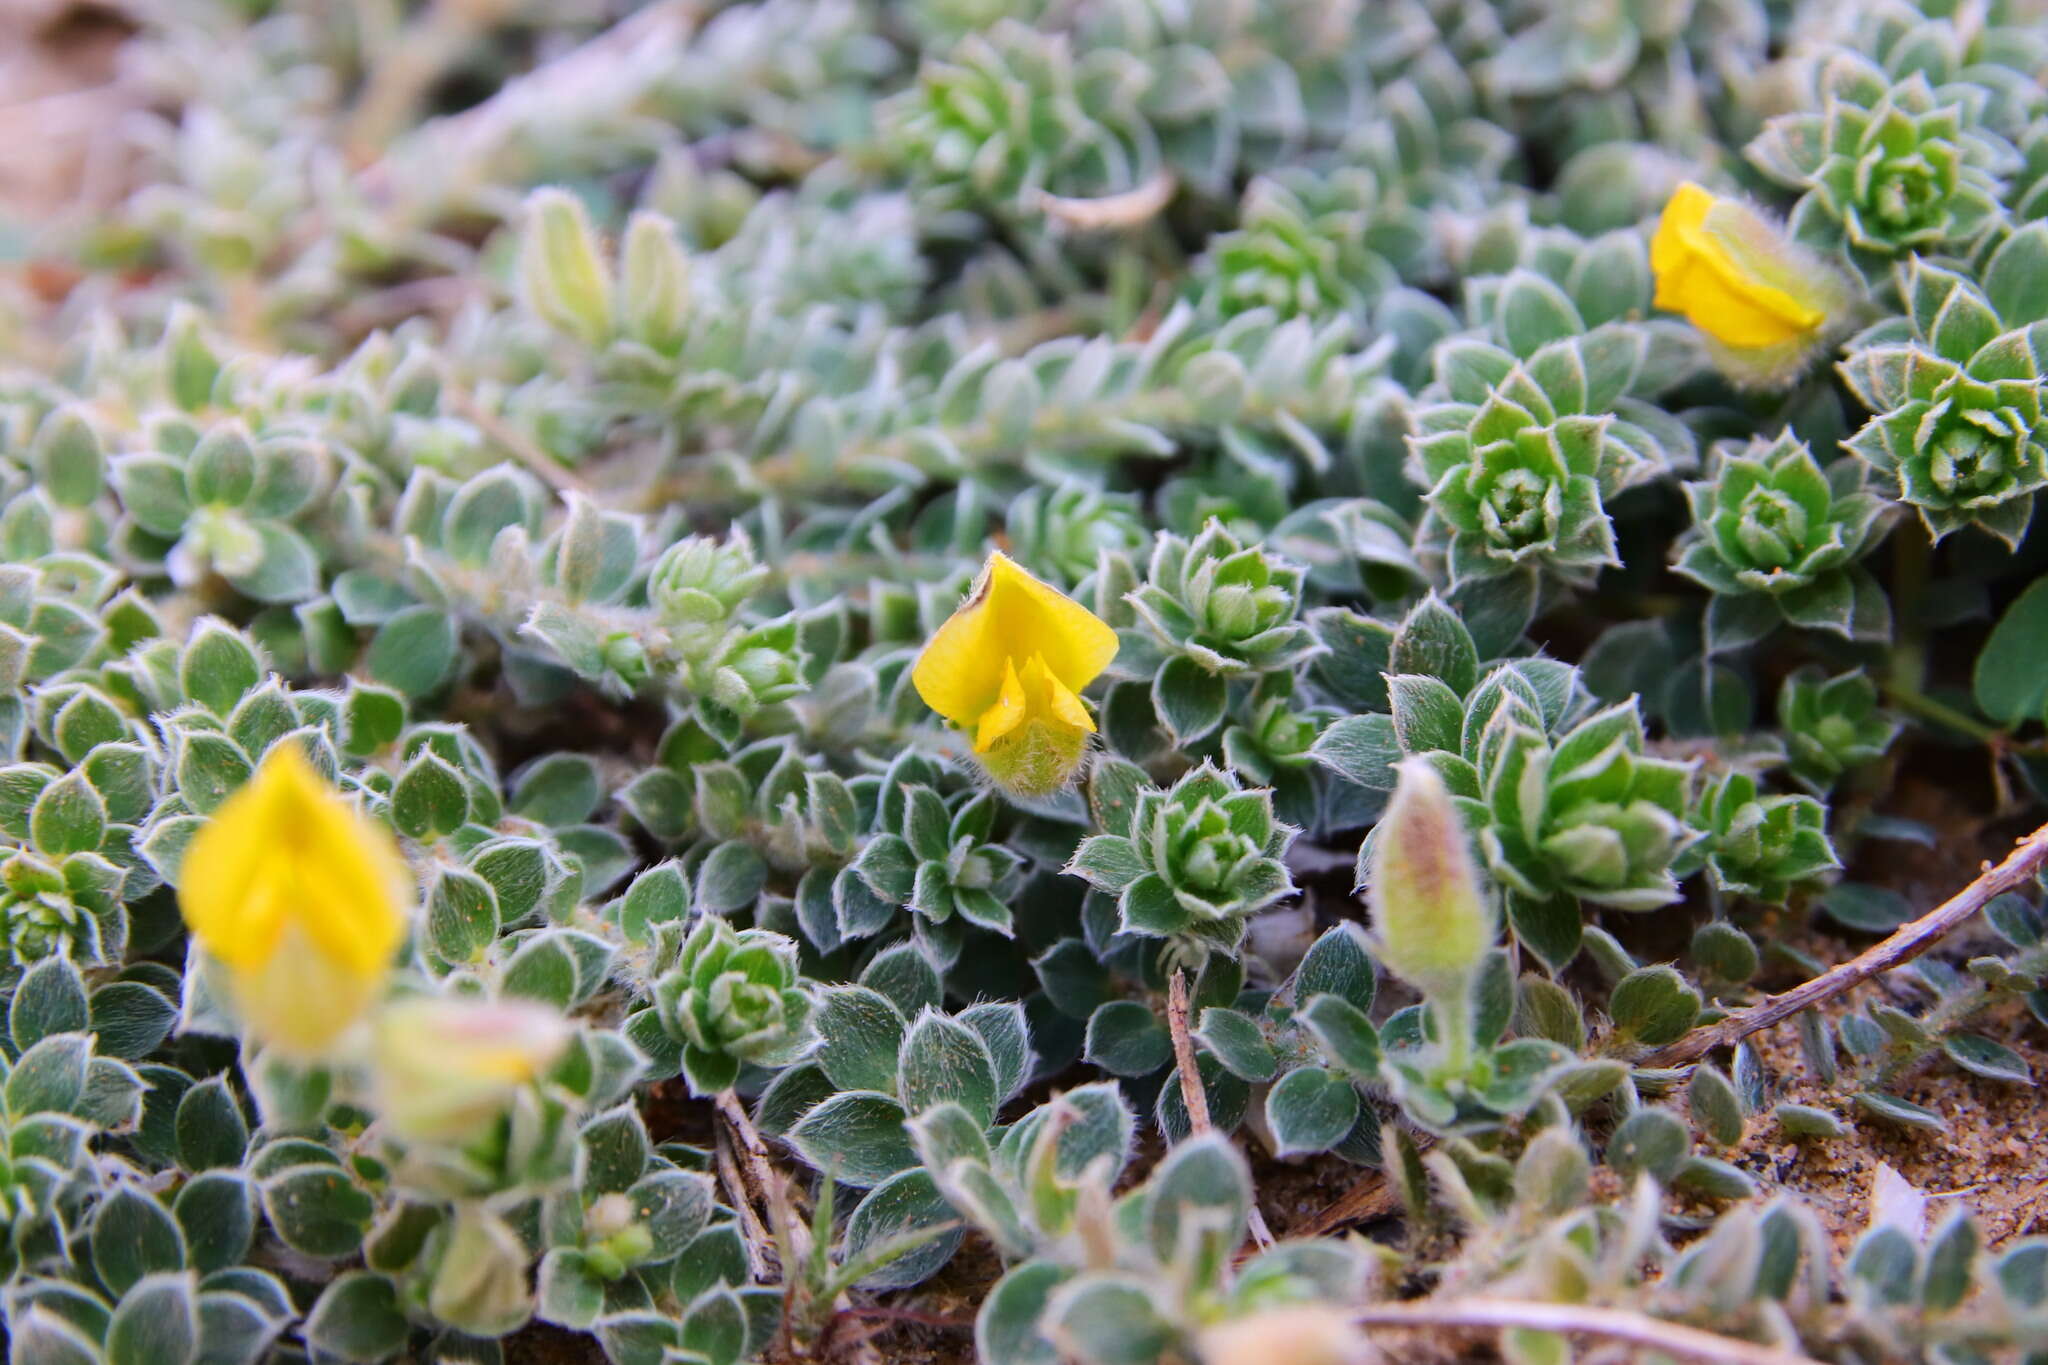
860 1032
157 1322
2016 277
1190 699
857 1136
210 1127
1337 963
1196 1203
1007 1329
1127 1039
1111 1319
1310 1110
1238 1044
1801 1121
50 1076
945 1062
1871 909
1980 1056
133 1236
49 999
317 1211
69 817
218 666
357 1318
1902 1113
415 651
901 1212
2008 681
1654 1006
430 799
1649 1140
1716 1110
543 969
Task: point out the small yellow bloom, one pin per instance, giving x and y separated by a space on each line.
301 899
1009 667
445 1067
1764 300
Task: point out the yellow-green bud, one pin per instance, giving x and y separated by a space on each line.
562 274
443 1068
1433 919
1297 1334
480 1286
654 291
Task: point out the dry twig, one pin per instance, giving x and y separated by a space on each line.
1191 1092
1906 943
756 1236
1615 1324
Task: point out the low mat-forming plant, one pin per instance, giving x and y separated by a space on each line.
732 678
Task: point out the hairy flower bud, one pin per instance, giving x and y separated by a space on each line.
563 279
654 285
480 1285
1297 1334
1433 918
443 1068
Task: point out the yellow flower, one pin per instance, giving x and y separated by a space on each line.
1009 667
445 1067
301 899
1763 299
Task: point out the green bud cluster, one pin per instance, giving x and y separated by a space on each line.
733 998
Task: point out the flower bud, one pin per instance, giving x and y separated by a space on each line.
562 277
1433 918
699 582
1299 1334
480 1285
444 1067
654 293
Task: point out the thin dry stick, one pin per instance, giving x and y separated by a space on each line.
1370 1199
1906 943
747 1138
1670 1338
538 461
1191 1092
756 1238
1375 1198
767 1185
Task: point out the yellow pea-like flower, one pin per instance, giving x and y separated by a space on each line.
1008 667
1762 299
301 899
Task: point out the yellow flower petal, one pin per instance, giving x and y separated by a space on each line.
299 896
1009 616
1006 715
300 1000
1060 702
1732 277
